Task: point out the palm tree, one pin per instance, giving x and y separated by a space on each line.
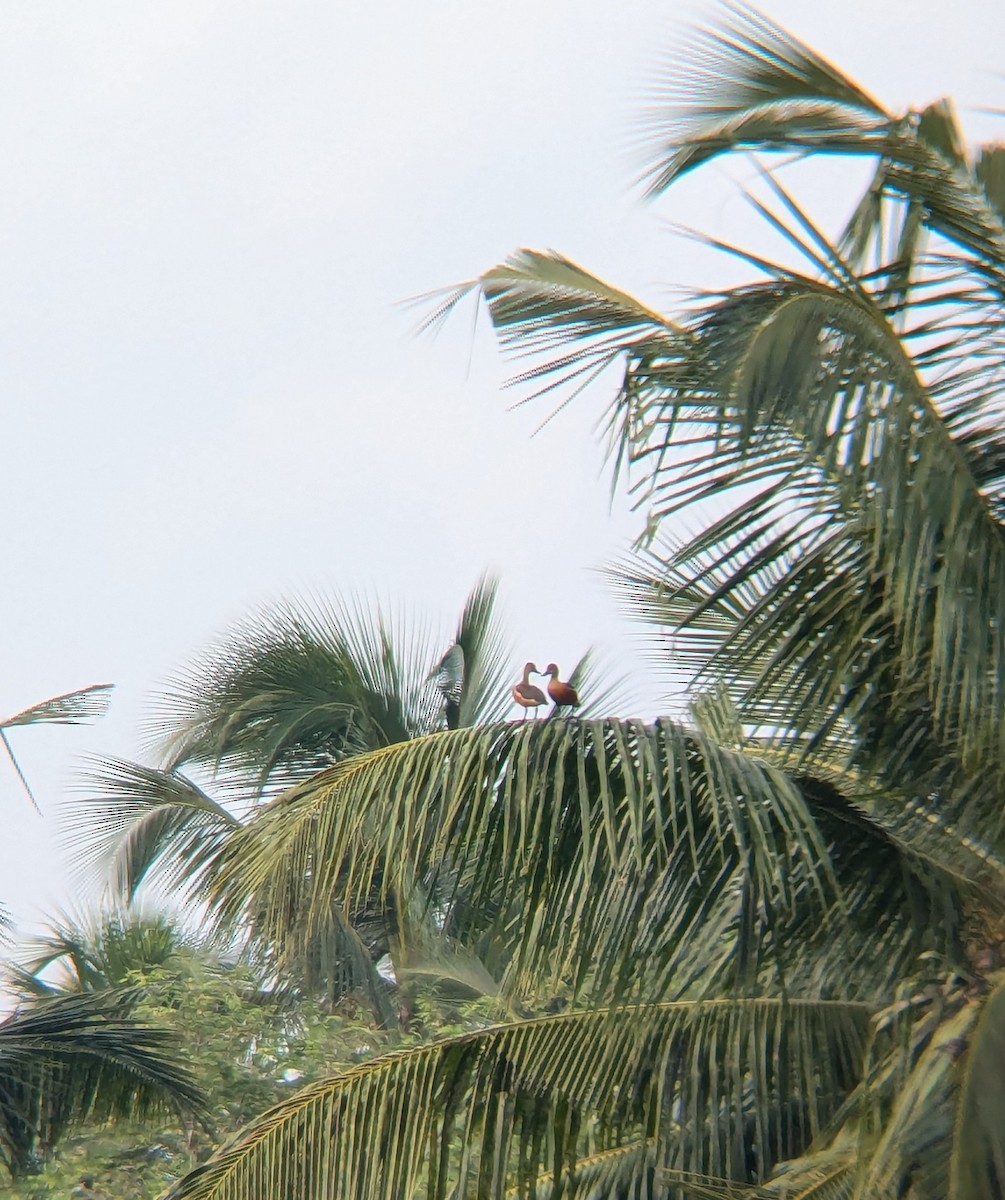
293 690
190 1008
71 1058
758 955
66 1059
102 951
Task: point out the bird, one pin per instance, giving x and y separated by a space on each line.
448 674
563 695
527 694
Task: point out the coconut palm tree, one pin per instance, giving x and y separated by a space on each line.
71 1058
758 954
95 952
293 690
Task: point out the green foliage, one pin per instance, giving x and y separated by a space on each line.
71 1057
757 959
244 1047
298 688
303 685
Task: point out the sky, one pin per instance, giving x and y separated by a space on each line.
212 393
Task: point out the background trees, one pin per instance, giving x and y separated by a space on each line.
239 1046
67 1058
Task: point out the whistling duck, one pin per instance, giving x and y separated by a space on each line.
562 694
525 693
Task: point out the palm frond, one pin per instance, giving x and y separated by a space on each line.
989 168
97 951
611 858
802 644
749 84
485 694
977 1169
127 822
78 1056
72 708
290 691
726 1089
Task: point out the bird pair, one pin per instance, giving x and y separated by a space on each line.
528 695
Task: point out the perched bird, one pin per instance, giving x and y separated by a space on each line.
525 693
563 695
448 674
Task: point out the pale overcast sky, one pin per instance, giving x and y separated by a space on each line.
211 212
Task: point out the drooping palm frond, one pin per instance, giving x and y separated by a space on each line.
72 708
749 85
490 816
801 393
133 825
81 1056
723 1088
540 301
828 1174
612 858
127 821
905 1120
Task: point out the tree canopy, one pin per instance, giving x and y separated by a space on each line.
756 953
